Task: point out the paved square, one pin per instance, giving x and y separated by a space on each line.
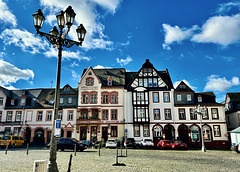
137 160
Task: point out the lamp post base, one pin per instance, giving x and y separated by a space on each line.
204 149
52 167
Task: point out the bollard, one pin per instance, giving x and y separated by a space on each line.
118 164
99 149
27 147
69 164
6 149
75 149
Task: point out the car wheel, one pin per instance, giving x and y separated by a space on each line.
13 145
160 147
81 150
62 149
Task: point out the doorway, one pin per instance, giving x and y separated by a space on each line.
105 133
183 133
169 132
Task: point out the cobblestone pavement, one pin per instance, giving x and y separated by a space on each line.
137 160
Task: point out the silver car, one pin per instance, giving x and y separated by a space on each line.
111 143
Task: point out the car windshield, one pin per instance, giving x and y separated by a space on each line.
111 140
167 141
178 141
6 138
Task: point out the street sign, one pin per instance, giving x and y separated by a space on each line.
57 132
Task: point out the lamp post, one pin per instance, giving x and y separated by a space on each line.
57 39
201 111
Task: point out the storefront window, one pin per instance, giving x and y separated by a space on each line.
195 134
206 133
157 131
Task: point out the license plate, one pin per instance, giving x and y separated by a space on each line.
182 145
167 144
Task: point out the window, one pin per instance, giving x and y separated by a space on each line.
18 116
155 82
155 97
166 97
195 134
193 116
105 114
141 113
12 101
145 80
114 98
49 115
60 114
146 131
157 131
214 113
61 100
140 96
84 114
39 116
94 98
85 98
136 130
156 113
89 81
114 114
216 131
181 113
140 82
179 97
0 116
167 113
70 115
23 101
95 113
1 100
205 114
206 133
109 82
150 82
189 97
69 100
105 98
114 131
9 115
199 98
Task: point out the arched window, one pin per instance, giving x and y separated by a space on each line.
157 131
195 133
207 133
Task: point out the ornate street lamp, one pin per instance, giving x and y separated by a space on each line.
201 111
58 40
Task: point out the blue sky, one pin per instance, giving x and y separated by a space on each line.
197 41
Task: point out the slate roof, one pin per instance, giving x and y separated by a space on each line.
234 97
187 88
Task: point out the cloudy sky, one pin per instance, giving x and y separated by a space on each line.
197 41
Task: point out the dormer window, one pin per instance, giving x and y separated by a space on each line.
12 101
109 82
105 72
1 100
199 98
23 92
23 101
119 72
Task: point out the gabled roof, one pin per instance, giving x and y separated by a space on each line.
117 75
182 86
237 130
164 75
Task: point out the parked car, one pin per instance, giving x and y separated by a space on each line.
164 144
130 142
12 141
69 143
236 148
146 143
179 144
111 143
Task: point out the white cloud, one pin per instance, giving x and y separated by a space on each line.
86 14
186 82
24 39
53 52
215 83
11 74
75 75
101 67
226 7
228 58
6 16
74 64
124 62
222 30
176 34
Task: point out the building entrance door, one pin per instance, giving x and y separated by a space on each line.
183 133
105 133
169 132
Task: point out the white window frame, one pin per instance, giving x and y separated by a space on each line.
189 97
179 97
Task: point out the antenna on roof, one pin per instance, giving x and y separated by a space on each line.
51 84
